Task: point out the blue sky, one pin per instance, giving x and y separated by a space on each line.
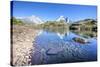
47 11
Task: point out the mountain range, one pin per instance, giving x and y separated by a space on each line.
32 19
36 20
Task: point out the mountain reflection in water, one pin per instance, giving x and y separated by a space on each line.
58 46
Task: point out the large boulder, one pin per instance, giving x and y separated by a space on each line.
80 40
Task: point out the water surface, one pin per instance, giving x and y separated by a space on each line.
59 47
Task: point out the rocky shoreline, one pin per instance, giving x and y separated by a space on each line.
22 44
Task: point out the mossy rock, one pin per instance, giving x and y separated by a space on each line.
79 40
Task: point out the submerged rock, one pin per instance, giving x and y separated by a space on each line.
54 51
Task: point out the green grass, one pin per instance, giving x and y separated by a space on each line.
15 21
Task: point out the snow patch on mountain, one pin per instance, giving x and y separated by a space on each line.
31 19
62 18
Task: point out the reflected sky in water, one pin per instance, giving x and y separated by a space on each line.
54 47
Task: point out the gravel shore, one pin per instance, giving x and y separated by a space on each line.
22 44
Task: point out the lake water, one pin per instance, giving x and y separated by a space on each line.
59 47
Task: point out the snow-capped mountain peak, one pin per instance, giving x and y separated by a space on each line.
32 19
62 18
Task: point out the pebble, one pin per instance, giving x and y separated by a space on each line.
23 36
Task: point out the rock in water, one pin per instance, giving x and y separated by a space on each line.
80 40
53 51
